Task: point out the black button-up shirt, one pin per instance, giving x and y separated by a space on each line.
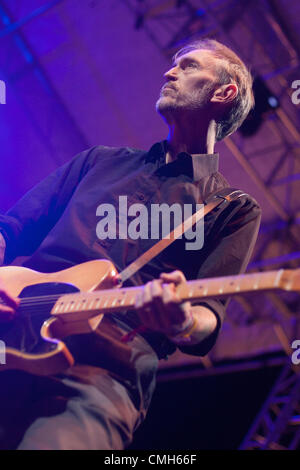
55 223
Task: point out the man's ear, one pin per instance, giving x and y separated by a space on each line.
225 94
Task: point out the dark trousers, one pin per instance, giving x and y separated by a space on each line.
96 404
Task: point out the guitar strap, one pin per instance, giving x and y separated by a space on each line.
224 196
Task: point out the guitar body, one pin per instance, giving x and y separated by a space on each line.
73 301
33 338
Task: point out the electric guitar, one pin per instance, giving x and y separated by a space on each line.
73 301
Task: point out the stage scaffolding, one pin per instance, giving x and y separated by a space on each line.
261 36
259 33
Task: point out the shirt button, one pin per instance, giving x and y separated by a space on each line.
104 243
141 197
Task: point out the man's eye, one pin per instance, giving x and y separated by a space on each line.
192 64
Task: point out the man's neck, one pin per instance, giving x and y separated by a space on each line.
194 143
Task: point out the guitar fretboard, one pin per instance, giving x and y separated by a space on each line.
113 300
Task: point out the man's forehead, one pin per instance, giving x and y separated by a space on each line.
201 55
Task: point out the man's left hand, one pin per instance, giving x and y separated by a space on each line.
160 308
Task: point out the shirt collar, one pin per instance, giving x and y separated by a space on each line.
196 166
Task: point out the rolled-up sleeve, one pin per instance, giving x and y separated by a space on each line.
227 252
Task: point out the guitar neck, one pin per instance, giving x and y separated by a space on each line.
114 300
231 285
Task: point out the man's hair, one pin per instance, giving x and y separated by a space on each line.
231 70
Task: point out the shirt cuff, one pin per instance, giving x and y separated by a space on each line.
203 347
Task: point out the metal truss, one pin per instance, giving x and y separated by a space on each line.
170 23
219 368
271 158
248 27
54 125
277 426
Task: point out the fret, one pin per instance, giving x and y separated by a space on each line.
257 283
76 307
56 309
66 306
123 294
197 289
194 291
278 277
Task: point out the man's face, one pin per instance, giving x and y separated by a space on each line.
189 83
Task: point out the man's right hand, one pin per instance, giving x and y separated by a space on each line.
8 308
2 248
8 304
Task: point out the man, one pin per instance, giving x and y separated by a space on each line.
99 402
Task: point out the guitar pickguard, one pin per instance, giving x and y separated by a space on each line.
23 332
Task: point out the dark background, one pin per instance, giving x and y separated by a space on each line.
212 412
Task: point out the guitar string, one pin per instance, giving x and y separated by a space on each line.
35 310
57 296
39 301
35 303
46 298
43 298
50 297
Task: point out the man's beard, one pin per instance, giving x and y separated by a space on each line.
174 104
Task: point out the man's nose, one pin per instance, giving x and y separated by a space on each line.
171 74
